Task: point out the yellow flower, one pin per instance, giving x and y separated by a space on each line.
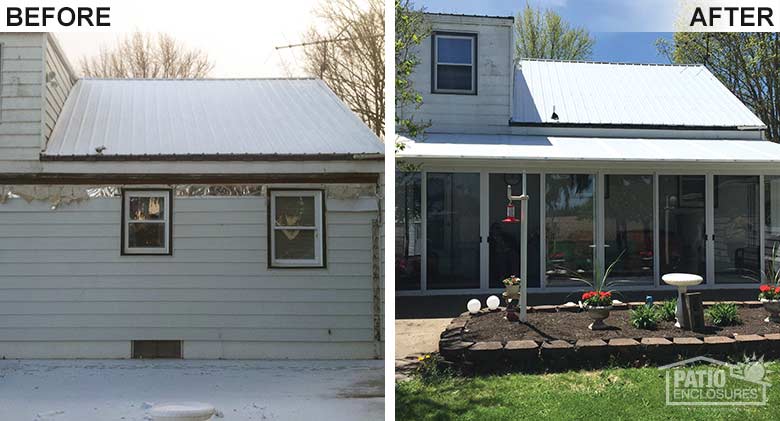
420 358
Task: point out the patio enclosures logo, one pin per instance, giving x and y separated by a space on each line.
704 381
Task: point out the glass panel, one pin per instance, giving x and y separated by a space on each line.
146 235
569 208
453 230
736 229
772 229
682 216
453 77
453 50
408 230
505 237
295 211
146 208
628 227
294 244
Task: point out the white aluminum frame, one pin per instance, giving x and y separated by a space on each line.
435 82
457 166
317 228
166 221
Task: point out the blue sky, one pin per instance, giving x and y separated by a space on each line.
625 30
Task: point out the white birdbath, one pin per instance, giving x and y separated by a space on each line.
682 281
183 411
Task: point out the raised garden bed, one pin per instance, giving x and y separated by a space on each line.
558 337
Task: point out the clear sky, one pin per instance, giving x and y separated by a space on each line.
240 44
625 30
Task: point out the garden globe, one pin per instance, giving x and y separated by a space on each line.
474 305
493 302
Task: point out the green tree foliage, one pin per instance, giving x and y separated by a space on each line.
410 30
544 34
747 63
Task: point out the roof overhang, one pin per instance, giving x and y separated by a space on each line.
596 150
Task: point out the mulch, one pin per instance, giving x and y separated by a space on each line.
573 326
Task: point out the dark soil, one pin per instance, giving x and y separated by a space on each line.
573 326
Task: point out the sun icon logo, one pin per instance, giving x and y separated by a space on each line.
751 369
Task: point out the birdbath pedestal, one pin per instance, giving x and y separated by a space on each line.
682 281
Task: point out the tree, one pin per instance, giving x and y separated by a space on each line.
349 55
544 34
410 30
748 63
147 56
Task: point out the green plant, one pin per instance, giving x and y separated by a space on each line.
723 314
432 368
644 317
600 292
668 310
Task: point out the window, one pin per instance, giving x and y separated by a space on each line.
296 221
628 227
146 222
454 63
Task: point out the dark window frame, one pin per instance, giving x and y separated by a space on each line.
272 264
434 63
168 223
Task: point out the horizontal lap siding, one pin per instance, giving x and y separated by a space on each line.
486 112
21 78
62 279
57 88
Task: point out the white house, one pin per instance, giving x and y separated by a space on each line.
183 218
659 165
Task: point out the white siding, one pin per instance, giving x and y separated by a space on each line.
21 78
59 82
65 290
489 110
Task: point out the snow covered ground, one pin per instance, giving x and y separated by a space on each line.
241 390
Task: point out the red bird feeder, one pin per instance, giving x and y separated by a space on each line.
510 215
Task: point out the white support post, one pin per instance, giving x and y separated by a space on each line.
523 247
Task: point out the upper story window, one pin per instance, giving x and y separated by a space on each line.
146 222
296 228
454 63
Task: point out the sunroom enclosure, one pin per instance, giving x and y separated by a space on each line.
450 238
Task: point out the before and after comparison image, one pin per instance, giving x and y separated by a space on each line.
402 210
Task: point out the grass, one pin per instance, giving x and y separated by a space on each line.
619 393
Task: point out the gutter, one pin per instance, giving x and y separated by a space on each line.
215 157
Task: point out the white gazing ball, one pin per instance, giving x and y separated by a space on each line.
493 302
474 306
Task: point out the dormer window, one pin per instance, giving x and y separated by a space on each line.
454 63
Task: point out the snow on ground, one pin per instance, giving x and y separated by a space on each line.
60 390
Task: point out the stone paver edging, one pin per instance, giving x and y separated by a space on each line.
560 353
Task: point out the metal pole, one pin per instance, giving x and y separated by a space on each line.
523 245
523 253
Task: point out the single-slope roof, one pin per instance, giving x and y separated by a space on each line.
208 119
556 148
593 93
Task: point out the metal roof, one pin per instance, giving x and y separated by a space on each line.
625 94
207 118
544 148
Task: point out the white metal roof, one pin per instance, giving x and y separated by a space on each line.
546 148
178 118
623 94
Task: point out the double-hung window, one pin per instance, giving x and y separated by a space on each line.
454 63
146 222
296 228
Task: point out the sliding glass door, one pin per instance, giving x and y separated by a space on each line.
504 238
628 227
569 228
737 225
682 224
453 230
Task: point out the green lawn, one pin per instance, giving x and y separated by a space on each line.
620 394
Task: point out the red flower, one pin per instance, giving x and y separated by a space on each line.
764 288
777 290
